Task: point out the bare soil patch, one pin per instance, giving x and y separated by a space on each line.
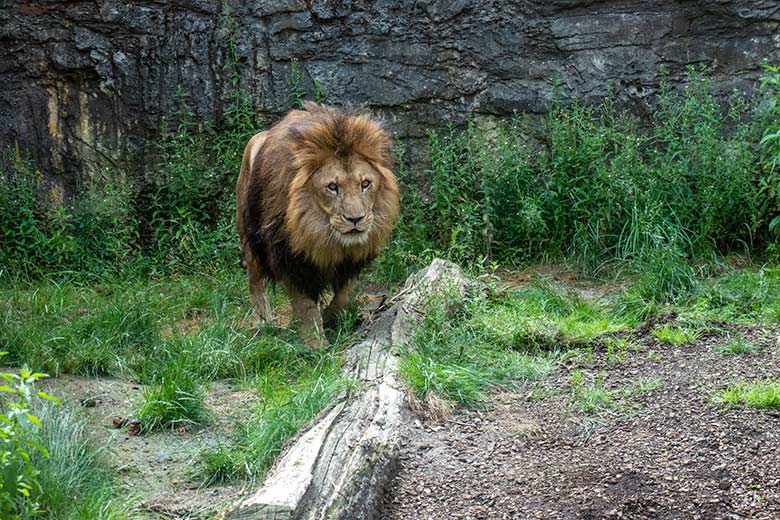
159 470
667 452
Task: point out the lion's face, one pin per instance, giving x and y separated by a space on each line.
341 194
346 195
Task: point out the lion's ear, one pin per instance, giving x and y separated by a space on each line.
312 107
387 175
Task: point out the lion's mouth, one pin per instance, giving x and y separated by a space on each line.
354 231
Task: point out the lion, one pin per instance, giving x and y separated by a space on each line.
316 200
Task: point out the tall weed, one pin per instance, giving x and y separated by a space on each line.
607 194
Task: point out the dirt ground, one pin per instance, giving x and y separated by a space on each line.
159 470
667 452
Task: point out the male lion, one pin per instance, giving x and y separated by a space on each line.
316 200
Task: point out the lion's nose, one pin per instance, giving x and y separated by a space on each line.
354 220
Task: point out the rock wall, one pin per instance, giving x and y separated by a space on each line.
81 81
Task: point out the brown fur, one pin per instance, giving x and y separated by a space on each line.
293 226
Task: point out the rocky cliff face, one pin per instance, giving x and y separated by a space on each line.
82 80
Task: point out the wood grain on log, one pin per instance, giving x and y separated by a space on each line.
338 467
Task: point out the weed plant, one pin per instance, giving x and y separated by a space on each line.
177 216
617 348
192 205
606 195
97 233
591 398
675 335
20 476
594 398
410 247
770 149
594 189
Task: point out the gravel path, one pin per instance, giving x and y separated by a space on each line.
663 453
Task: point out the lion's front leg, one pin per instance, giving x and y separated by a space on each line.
341 293
307 313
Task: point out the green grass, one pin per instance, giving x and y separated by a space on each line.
748 295
593 398
125 327
545 316
175 334
76 480
737 346
617 348
284 410
502 341
759 394
465 380
675 335
174 398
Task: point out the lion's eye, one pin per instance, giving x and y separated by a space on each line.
333 187
365 184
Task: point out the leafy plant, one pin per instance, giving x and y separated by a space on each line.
588 186
295 84
770 143
21 233
19 484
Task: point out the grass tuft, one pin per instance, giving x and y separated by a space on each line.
675 335
617 348
502 342
260 439
591 398
174 398
760 394
76 480
737 346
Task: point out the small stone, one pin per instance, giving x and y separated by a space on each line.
133 427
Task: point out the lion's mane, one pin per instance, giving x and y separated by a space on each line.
271 203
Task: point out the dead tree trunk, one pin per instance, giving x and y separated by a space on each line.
338 467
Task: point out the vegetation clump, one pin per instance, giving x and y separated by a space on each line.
759 394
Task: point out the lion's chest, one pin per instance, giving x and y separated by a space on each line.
306 276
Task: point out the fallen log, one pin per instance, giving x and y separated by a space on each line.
339 466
